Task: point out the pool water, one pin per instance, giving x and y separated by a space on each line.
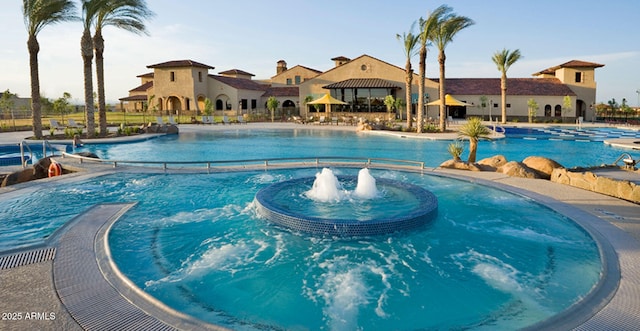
490 260
264 144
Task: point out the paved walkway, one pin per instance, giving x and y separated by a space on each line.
33 295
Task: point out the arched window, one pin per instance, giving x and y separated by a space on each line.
558 111
219 104
547 110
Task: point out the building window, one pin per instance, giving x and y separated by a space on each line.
288 81
254 103
557 111
172 76
547 110
579 77
297 80
495 105
508 105
200 76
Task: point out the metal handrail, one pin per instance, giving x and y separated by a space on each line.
255 163
626 159
23 162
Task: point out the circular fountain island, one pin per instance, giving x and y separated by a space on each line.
346 206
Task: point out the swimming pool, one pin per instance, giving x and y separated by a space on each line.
169 203
489 260
237 144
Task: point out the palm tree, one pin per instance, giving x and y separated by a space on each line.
409 42
504 59
90 10
38 14
446 27
473 130
128 15
427 26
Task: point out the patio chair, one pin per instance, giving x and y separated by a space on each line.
172 121
54 125
73 124
334 120
225 120
241 119
206 120
322 120
159 120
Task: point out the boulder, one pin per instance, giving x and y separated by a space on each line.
41 169
542 165
492 163
460 165
517 169
17 177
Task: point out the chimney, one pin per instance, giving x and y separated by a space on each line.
281 67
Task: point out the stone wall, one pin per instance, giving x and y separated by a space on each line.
588 180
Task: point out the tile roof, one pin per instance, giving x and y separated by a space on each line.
148 74
570 64
341 58
235 72
134 98
515 86
143 88
362 83
282 91
241 83
179 64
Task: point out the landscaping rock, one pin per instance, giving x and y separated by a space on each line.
517 169
460 165
542 165
492 163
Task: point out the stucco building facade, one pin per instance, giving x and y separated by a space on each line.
176 87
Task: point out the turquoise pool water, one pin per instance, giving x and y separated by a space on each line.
264 144
204 251
489 260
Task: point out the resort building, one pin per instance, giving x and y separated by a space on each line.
563 93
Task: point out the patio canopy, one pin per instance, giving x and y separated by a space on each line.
450 101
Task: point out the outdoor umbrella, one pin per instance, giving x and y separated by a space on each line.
450 101
326 100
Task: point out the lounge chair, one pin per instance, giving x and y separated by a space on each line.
205 120
225 120
172 121
241 119
159 120
322 120
73 124
334 120
54 125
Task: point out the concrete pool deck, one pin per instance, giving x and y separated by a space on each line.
36 281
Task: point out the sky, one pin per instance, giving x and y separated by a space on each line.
253 35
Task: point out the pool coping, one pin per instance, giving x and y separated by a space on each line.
611 304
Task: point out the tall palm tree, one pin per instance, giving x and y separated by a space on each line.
90 10
446 27
473 130
427 26
504 59
38 14
128 15
409 42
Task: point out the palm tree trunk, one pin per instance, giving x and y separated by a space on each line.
408 81
503 88
473 148
98 45
86 46
443 106
423 70
36 116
